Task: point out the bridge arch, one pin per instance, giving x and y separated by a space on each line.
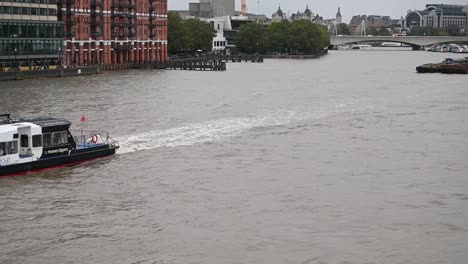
390 39
414 41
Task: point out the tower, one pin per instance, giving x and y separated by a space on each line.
244 7
338 16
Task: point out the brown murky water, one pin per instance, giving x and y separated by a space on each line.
353 158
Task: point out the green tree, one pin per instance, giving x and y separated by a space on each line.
189 35
278 37
302 36
427 31
454 30
201 34
307 38
380 31
178 35
343 29
252 38
324 36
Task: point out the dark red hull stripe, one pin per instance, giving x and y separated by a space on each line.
42 165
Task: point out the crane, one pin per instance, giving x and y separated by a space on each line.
244 7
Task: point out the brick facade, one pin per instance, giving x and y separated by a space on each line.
113 31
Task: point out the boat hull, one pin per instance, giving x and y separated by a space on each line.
62 161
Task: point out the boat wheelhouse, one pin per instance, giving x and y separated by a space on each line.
28 145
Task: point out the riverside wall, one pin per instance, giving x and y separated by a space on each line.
62 72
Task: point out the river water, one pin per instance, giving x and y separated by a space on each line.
352 158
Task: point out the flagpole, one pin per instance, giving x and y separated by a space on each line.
83 121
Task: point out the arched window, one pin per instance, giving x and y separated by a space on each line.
413 19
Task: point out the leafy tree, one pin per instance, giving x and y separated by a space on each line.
298 37
201 34
343 29
454 30
252 38
189 35
178 35
381 31
324 36
306 37
427 31
277 37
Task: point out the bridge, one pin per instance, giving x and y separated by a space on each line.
415 41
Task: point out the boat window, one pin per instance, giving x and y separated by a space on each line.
37 141
2 149
24 141
12 147
57 138
65 137
15 136
47 140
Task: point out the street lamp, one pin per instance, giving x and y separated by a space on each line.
60 57
16 61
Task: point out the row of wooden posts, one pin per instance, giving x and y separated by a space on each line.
188 65
202 63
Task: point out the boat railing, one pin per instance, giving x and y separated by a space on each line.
5 119
89 138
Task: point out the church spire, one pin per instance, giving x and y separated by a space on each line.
338 16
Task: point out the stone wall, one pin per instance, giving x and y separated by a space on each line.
20 75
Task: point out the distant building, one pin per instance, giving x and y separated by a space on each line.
113 32
306 15
319 20
212 8
29 33
372 21
279 15
227 28
219 40
339 18
439 16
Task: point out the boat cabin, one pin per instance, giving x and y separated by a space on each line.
30 140
17 144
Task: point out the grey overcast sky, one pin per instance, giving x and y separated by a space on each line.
328 8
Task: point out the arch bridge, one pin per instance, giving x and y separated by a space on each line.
415 41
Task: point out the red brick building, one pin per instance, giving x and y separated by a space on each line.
113 31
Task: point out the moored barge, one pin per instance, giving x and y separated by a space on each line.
31 145
447 66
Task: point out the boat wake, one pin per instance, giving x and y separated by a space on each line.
213 131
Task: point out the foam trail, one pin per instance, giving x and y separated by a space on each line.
211 131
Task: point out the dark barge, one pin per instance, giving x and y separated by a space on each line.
447 66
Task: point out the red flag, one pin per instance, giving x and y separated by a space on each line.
83 119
